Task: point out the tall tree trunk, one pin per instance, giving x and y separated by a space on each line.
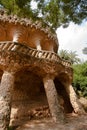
53 100
6 88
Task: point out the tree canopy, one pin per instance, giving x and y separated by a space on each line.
80 78
53 12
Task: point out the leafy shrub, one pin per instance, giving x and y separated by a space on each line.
80 78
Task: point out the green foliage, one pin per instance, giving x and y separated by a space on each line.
53 12
61 12
70 56
84 50
80 79
10 5
21 8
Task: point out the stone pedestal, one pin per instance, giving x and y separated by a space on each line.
6 88
74 100
53 100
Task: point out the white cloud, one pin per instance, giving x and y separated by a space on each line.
73 38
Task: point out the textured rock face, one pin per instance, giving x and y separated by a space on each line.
83 101
32 99
29 100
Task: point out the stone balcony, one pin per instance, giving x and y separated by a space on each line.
18 56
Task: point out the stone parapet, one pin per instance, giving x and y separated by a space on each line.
41 54
15 56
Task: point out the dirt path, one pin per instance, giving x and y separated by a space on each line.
72 123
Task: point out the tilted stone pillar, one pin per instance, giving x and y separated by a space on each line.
53 100
6 88
74 100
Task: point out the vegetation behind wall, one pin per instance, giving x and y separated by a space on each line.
80 78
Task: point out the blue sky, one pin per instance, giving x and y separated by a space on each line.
73 38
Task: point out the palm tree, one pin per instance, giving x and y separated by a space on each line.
70 56
64 54
73 57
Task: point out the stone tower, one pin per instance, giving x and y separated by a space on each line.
33 78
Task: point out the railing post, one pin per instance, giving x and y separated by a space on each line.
6 88
53 100
38 45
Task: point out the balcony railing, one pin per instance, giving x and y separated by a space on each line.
42 54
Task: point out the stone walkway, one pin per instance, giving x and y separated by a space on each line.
72 123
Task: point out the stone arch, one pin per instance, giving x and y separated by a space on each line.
60 81
29 99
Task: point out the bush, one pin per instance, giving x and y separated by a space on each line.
80 79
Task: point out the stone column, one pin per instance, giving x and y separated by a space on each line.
53 100
6 88
74 100
38 45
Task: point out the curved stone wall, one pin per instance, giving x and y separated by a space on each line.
26 31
